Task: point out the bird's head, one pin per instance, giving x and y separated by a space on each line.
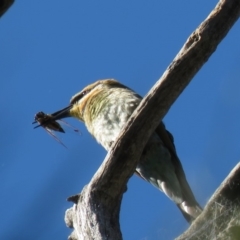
88 102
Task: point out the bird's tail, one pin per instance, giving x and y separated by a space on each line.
190 211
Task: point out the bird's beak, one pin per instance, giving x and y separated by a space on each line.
63 113
71 111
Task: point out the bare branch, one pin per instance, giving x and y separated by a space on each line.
5 5
96 216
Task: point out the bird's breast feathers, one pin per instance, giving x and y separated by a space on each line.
111 112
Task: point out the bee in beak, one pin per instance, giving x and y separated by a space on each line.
50 122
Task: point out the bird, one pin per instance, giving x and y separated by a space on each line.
105 106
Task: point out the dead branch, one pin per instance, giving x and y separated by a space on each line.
5 5
221 216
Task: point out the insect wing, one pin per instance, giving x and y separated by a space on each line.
51 133
69 128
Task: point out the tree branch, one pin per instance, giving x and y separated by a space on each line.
96 214
5 5
221 216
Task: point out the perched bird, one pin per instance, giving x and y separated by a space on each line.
105 107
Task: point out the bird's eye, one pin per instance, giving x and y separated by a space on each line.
84 93
78 96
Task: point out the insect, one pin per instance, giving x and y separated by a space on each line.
50 125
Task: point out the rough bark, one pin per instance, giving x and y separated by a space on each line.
95 214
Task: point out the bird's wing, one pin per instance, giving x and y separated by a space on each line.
168 141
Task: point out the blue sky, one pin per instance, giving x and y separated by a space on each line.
49 50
